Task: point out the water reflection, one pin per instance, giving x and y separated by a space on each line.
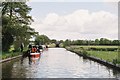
58 63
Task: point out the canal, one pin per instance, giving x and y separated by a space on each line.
57 63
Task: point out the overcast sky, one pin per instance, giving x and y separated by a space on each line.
75 20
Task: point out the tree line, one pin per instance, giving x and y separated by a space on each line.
42 39
101 41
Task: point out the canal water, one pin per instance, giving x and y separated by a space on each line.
57 63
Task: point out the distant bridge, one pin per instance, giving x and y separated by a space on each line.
57 44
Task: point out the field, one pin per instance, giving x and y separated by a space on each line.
104 55
108 53
97 46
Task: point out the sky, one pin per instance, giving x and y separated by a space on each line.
75 20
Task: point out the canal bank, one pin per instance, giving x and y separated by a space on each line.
108 64
9 59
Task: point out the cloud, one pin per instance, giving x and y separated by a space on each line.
79 23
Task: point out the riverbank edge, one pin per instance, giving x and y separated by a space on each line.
8 59
108 64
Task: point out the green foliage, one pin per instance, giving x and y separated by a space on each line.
7 38
41 39
15 21
10 54
85 53
80 50
102 41
67 42
53 41
110 56
105 55
104 49
97 41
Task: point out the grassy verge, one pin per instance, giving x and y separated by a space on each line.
107 53
6 55
104 55
97 46
11 53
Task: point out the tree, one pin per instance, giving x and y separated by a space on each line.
115 42
102 41
107 41
67 42
41 39
7 37
61 41
53 41
17 12
23 36
15 19
96 41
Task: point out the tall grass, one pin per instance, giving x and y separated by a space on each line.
6 55
108 53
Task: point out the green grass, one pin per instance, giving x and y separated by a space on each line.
10 54
104 55
6 55
97 46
